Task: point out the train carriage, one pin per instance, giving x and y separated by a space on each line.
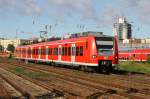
140 55
87 51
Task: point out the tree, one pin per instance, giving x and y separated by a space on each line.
10 47
1 48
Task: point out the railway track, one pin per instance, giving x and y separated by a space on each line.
3 92
120 81
86 92
15 87
86 85
99 85
123 79
120 90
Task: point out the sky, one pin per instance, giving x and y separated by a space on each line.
26 18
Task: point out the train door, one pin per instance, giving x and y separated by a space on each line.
26 53
47 51
73 52
31 53
39 53
59 52
21 52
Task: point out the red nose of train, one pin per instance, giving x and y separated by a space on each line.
115 52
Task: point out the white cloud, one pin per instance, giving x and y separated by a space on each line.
82 8
108 16
140 8
24 7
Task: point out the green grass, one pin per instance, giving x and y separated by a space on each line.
135 67
28 73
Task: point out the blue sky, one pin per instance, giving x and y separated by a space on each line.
28 17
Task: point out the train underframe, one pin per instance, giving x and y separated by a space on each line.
104 66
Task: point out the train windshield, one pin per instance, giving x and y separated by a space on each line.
105 52
104 45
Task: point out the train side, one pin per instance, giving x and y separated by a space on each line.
83 52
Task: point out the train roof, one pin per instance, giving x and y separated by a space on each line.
65 40
57 41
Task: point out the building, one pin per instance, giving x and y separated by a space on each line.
130 44
132 41
123 28
145 41
15 42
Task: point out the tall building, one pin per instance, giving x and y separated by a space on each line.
123 29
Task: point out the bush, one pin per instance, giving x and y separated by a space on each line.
11 48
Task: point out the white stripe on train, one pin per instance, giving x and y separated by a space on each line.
65 62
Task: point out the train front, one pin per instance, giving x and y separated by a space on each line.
107 53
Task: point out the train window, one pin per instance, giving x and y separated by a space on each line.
51 51
39 51
73 51
77 51
59 52
36 52
29 51
55 51
81 50
65 51
44 51
47 51
32 52
86 45
69 51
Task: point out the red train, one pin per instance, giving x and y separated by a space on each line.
135 55
86 52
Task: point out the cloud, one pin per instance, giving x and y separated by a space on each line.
138 9
141 8
108 16
72 8
23 7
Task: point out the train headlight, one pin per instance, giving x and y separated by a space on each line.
105 57
93 56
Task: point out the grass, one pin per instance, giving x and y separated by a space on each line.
135 67
28 73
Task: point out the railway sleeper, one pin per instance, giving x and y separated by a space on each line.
49 96
99 94
132 90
